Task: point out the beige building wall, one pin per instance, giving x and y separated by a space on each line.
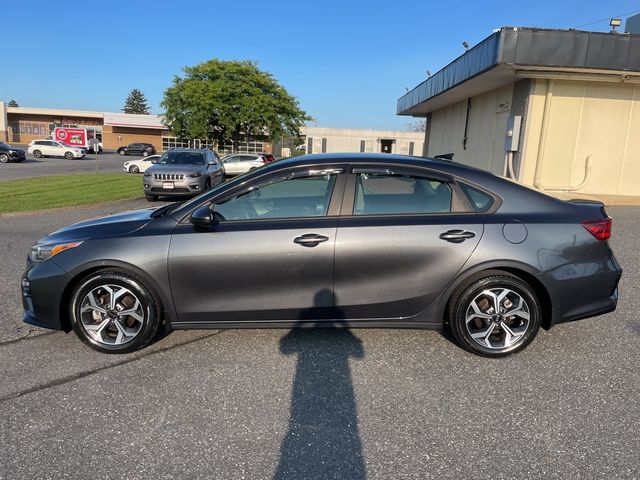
3 122
349 140
570 121
486 130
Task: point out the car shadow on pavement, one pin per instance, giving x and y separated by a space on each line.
322 440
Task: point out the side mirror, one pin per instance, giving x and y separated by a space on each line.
202 217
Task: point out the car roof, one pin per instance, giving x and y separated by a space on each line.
196 150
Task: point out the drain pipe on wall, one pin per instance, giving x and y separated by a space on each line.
543 133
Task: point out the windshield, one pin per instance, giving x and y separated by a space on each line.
182 158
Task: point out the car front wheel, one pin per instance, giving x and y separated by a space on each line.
114 311
68 156
134 169
4 158
145 154
495 315
122 152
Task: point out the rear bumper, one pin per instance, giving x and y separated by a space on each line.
591 295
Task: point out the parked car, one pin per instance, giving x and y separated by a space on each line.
349 240
238 163
144 149
11 154
183 172
140 165
52 148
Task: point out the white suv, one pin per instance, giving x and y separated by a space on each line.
51 148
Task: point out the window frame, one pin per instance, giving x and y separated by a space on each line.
459 203
333 210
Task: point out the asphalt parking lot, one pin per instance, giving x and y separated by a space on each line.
107 162
318 404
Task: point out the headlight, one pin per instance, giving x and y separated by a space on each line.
147 174
40 253
194 175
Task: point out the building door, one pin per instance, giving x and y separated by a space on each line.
386 145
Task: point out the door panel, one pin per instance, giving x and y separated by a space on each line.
243 271
269 256
400 243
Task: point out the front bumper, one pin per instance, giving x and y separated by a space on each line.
173 187
42 289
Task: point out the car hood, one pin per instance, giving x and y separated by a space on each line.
157 168
101 227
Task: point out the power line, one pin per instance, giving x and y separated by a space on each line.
607 18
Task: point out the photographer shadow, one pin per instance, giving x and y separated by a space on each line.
322 440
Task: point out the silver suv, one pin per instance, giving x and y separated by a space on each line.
183 172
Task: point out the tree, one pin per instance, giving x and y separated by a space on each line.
417 126
228 100
12 103
136 102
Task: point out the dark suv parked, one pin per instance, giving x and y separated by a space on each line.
144 149
10 154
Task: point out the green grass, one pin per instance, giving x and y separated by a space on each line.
67 191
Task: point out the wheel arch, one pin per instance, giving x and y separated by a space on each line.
524 272
80 273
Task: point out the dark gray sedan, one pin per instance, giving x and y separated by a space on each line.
332 240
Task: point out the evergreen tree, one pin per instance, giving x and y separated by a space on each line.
136 102
12 103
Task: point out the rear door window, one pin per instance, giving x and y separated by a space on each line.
389 194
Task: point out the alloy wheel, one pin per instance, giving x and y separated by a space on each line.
112 314
498 318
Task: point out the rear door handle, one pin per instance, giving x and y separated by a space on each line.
310 239
456 236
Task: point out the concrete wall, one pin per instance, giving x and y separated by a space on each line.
349 140
485 132
595 120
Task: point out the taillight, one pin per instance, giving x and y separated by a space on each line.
601 229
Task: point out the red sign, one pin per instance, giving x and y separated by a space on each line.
71 136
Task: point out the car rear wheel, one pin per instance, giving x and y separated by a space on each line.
495 314
134 169
4 158
37 153
68 156
114 311
145 154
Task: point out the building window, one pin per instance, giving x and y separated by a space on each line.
310 145
324 145
362 145
410 148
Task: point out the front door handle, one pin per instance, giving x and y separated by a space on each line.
456 236
310 239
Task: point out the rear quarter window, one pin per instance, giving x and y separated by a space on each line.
480 201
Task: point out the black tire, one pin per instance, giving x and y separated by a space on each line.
122 152
460 306
37 153
134 169
4 158
149 306
152 198
68 156
145 154
207 185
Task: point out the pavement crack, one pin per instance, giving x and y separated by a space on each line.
87 373
28 336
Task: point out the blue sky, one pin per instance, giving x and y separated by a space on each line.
346 61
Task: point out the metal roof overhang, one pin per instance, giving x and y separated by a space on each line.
515 53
